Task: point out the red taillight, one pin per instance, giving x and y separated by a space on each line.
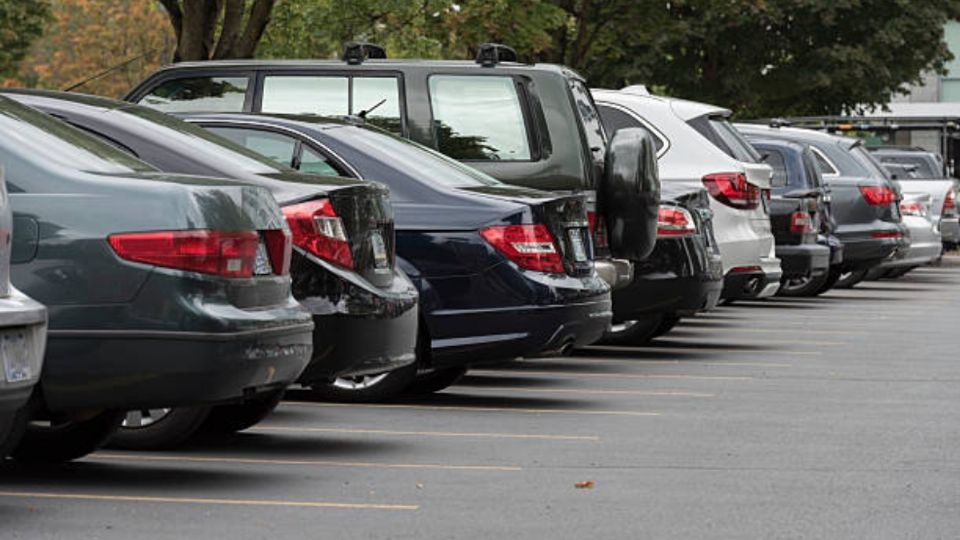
528 246
745 270
318 230
878 195
949 204
886 234
226 254
673 221
732 189
911 208
598 230
279 247
801 223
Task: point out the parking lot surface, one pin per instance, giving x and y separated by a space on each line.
833 417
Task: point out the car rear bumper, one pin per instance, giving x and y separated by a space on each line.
950 230
753 284
804 260
22 315
863 251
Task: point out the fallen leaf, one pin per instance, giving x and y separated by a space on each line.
584 485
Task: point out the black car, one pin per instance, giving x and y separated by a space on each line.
162 290
344 267
799 216
502 271
864 203
533 125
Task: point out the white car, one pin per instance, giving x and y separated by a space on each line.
697 146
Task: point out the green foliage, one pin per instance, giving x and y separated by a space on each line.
21 22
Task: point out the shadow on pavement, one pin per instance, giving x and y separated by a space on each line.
125 474
453 397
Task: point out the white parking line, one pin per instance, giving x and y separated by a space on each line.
205 501
461 408
301 462
455 434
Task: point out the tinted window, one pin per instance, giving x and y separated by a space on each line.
825 167
719 131
869 162
592 125
924 168
775 160
478 117
279 148
382 95
312 162
614 120
326 96
215 94
811 169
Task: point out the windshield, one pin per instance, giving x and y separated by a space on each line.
868 161
414 159
43 139
924 167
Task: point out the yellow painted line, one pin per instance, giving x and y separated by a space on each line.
472 409
523 436
613 375
588 392
301 462
191 500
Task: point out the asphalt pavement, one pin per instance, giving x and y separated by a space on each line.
834 417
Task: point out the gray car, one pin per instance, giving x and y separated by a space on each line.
23 336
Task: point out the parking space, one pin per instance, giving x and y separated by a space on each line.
827 417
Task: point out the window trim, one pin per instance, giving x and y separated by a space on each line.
248 96
535 155
665 142
821 155
260 75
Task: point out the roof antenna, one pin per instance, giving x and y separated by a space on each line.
111 69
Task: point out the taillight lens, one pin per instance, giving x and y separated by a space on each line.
732 189
949 204
745 270
801 223
911 208
673 221
598 230
528 246
225 254
279 247
886 234
318 230
878 195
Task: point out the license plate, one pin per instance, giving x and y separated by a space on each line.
16 360
261 264
579 247
379 250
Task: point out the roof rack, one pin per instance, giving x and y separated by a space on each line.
778 123
491 54
355 52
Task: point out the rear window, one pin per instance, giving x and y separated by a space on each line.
209 94
718 130
614 120
923 167
479 118
864 158
776 162
335 95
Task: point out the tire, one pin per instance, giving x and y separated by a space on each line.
849 280
158 429
668 321
66 439
12 427
875 274
227 419
633 333
804 287
369 388
895 273
436 380
832 276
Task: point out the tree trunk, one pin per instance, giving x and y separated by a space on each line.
195 24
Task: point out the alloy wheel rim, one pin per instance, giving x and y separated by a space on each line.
622 327
141 418
359 383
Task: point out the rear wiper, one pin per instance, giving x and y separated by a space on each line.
363 114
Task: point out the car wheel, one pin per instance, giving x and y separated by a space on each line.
895 273
12 426
226 419
667 322
804 287
436 380
65 439
158 429
849 280
636 332
367 388
832 276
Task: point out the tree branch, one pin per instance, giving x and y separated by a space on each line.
230 32
256 24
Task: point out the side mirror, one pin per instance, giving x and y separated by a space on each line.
629 195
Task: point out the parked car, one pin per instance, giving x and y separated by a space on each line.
697 147
926 244
864 203
799 215
23 337
162 290
919 171
532 125
502 271
344 267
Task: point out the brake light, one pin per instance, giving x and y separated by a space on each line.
911 208
878 195
745 270
318 230
598 230
528 246
886 234
949 204
801 223
732 189
673 221
279 247
225 254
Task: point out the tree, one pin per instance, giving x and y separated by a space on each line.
20 24
86 38
217 29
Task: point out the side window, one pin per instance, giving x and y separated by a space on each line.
614 120
325 96
478 118
592 125
381 97
312 162
826 168
279 148
775 160
210 94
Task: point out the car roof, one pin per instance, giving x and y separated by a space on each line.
683 108
781 143
795 134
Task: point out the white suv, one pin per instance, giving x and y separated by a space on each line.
697 145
